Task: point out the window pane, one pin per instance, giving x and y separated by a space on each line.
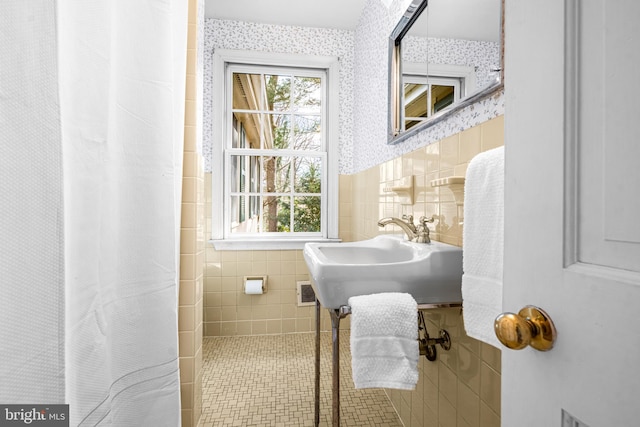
307 215
278 135
261 92
255 163
276 176
238 164
415 103
237 135
307 133
272 110
441 96
276 214
278 92
254 208
248 92
252 129
307 95
242 208
244 214
308 175
235 215
234 172
244 173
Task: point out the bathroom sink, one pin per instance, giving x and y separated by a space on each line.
430 272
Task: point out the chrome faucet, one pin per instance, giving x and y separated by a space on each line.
418 234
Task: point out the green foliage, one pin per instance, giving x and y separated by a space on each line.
307 211
300 95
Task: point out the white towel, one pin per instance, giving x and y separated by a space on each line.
384 341
483 244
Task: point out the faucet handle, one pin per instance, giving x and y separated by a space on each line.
424 220
423 230
408 218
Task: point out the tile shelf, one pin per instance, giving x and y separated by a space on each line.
404 190
455 184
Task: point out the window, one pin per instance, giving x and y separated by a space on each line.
275 171
429 88
424 96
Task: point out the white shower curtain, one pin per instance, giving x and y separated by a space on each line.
122 67
31 203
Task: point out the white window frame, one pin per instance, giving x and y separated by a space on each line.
465 73
432 81
221 59
461 77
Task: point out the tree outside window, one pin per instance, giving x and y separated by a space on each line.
280 117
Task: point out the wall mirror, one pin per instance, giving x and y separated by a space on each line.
444 55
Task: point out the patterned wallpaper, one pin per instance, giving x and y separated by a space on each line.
371 92
363 56
483 56
223 34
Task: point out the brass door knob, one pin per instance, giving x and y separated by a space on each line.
531 326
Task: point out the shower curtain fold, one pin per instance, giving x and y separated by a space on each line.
122 68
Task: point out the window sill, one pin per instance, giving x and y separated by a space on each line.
266 244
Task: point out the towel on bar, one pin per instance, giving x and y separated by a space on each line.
384 341
483 244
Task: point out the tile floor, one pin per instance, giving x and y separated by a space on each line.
268 381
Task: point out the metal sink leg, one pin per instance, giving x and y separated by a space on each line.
336 315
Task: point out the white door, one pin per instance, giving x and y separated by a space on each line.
572 212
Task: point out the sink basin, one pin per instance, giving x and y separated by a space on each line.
430 272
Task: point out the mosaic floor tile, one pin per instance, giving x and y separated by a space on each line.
268 381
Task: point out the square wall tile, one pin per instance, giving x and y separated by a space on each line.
492 356
468 406
488 418
187 344
449 152
463 387
490 387
448 384
187 292
469 368
469 144
186 318
492 133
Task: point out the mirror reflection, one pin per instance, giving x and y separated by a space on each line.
443 55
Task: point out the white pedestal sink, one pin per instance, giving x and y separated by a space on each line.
430 272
